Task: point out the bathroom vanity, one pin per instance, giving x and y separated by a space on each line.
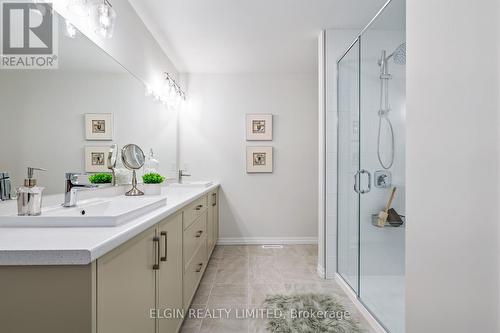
109 279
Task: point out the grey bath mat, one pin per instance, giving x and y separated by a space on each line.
295 314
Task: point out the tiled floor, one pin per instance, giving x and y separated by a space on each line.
240 277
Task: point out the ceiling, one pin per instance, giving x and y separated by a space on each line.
251 36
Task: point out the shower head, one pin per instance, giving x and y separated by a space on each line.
399 55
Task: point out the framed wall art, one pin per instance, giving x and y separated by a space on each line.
96 159
259 127
259 159
99 126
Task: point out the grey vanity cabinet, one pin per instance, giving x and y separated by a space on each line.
160 268
143 274
170 273
126 286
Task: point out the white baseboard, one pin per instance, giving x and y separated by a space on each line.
267 240
361 308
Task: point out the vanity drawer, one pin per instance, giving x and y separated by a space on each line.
194 236
194 210
194 272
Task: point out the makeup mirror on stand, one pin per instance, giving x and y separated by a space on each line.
133 159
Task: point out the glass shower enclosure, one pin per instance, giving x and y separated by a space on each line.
371 163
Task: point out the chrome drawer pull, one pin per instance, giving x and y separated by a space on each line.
165 242
200 266
199 233
156 247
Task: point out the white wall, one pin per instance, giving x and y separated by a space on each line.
256 207
453 170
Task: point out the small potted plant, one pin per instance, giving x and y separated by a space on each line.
152 183
101 178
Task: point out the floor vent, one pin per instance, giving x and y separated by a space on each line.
272 246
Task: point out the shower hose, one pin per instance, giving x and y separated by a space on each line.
383 116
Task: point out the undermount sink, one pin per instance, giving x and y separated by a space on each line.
201 183
99 212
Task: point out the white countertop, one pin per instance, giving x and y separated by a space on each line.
81 246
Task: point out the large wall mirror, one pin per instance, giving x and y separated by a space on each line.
42 117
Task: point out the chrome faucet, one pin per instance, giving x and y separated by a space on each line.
72 187
5 186
182 174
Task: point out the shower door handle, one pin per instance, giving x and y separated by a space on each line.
356 183
366 172
357 177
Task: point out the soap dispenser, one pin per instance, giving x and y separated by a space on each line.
29 196
152 165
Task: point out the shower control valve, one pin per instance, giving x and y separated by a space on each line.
383 179
383 112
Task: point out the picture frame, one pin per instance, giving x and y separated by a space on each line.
259 127
260 160
99 126
96 158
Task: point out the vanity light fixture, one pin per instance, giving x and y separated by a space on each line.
102 20
175 93
169 94
104 17
172 89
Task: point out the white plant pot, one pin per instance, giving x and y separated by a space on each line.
152 189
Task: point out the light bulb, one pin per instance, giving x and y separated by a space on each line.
70 30
183 101
156 96
172 91
148 91
104 20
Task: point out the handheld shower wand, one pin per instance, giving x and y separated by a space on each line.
398 57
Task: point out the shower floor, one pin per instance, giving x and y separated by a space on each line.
383 295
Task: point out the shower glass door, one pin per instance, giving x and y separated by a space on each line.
382 152
370 163
348 166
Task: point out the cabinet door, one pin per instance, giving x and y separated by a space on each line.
170 274
126 286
